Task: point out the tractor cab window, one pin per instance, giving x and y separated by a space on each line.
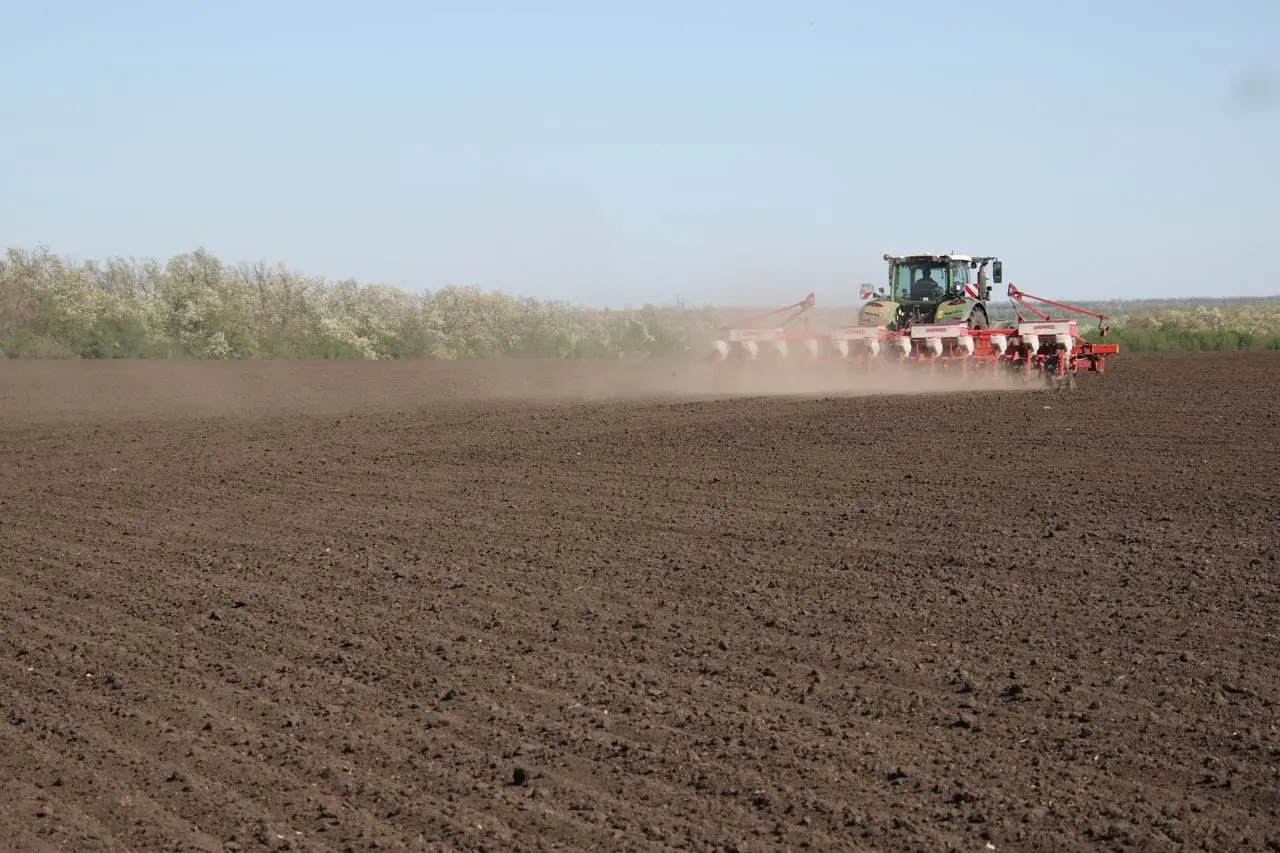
924 280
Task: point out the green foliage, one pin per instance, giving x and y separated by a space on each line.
1183 340
1239 326
194 306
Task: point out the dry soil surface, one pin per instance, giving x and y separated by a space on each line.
541 606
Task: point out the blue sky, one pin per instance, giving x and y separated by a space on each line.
624 152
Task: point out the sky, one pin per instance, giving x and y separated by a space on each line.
616 152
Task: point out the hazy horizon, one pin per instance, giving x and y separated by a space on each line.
729 153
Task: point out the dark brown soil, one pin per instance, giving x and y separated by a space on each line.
390 606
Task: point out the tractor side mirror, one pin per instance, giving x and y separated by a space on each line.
997 272
866 291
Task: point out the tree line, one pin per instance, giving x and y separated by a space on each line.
194 306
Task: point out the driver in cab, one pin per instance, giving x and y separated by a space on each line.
925 287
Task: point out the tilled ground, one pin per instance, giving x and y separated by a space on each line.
331 607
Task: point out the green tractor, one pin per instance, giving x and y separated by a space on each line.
931 289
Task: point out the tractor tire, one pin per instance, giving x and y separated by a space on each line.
977 320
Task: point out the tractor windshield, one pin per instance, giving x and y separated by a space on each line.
914 281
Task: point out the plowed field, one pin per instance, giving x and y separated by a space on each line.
399 606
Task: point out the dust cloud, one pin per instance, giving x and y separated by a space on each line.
40 391
698 380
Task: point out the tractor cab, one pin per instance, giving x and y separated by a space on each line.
931 288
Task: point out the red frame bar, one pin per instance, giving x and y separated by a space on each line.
800 308
1018 298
